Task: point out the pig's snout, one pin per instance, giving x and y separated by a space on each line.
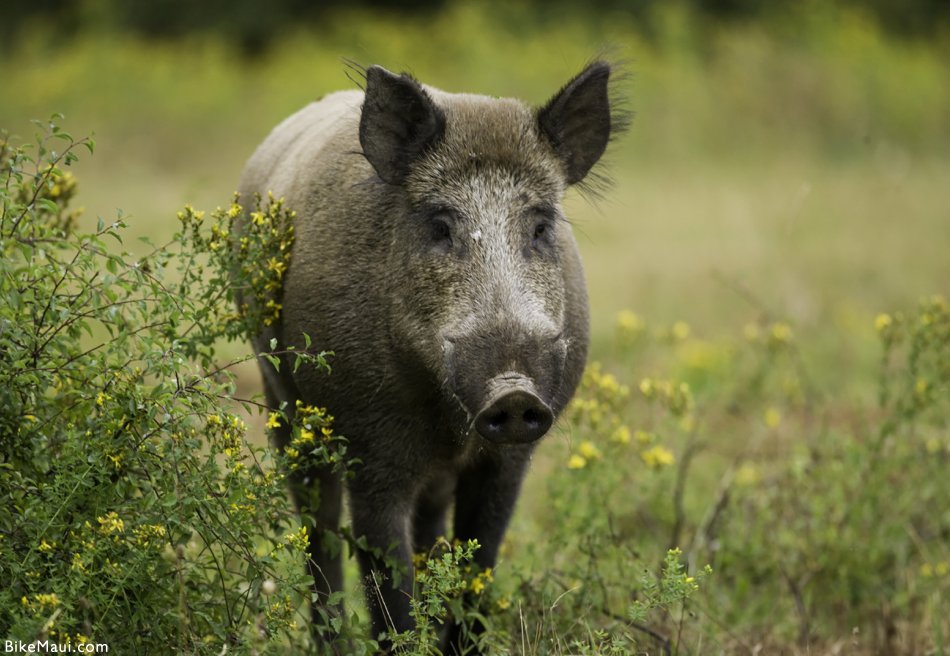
505 381
513 413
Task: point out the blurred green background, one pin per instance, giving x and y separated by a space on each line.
787 161
795 150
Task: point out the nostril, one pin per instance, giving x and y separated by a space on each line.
531 417
498 420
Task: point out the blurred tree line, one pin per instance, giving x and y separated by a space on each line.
252 25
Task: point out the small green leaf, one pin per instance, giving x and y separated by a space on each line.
47 205
273 359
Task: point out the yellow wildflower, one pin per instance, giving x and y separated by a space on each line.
588 450
479 582
147 533
747 475
647 388
680 331
609 384
576 462
882 322
273 420
781 333
629 323
47 600
679 399
277 266
657 457
643 437
299 539
621 435
702 355
111 523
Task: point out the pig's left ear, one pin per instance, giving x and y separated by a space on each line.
399 122
577 120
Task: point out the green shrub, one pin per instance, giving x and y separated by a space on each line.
824 517
137 512
851 530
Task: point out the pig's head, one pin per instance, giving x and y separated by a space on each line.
487 294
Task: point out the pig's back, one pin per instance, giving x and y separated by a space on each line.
301 146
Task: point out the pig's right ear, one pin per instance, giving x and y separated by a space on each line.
399 122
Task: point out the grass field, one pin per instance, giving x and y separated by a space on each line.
796 176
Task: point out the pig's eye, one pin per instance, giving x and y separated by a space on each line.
541 235
440 231
440 234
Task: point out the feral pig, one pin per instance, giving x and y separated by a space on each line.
433 258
